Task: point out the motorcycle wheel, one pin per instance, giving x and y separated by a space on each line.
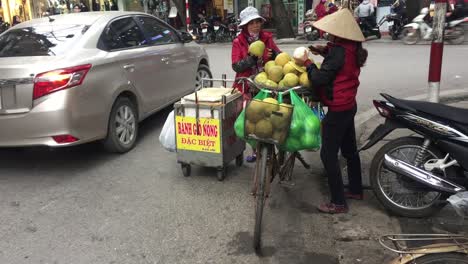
410 36
445 258
397 193
457 36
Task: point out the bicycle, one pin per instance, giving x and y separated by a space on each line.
270 162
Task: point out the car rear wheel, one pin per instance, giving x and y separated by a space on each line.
122 129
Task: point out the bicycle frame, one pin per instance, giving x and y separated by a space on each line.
444 244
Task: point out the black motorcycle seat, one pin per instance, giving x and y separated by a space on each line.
459 115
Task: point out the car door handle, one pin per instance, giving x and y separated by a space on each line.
129 66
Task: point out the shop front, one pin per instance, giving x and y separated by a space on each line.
9 9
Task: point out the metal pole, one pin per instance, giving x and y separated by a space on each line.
187 14
437 50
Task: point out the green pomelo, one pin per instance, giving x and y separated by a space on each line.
264 129
291 80
254 111
304 80
269 64
289 68
261 78
270 84
279 120
275 73
282 59
249 127
296 129
309 140
270 105
257 48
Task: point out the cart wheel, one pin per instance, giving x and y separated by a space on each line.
186 169
221 173
240 160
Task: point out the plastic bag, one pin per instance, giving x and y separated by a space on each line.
167 136
459 202
304 132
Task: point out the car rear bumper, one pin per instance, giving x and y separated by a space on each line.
56 114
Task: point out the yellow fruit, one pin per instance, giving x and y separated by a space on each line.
291 80
254 111
282 59
281 84
261 78
304 80
270 106
269 64
279 136
297 67
275 73
289 68
264 129
270 84
286 109
257 48
279 120
249 127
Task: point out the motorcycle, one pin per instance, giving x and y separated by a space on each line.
368 27
221 31
419 29
310 32
4 27
395 24
207 35
413 176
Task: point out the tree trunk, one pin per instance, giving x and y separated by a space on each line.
281 20
180 4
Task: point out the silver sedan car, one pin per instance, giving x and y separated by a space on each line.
75 78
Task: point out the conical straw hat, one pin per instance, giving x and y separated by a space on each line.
341 24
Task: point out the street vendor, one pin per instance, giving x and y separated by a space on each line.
243 63
337 82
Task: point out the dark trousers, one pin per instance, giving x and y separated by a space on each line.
338 133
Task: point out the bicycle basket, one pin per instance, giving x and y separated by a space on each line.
268 121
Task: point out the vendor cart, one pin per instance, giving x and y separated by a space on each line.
204 127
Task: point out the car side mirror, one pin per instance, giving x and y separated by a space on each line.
186 37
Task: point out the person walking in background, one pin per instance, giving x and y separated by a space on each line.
321 12
16 20
337 82
245 64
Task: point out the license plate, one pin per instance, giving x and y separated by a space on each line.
216 28
390 23
308 29
204 30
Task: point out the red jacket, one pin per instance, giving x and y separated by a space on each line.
240 49
320 11
337 80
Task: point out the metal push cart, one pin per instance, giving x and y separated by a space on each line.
205 133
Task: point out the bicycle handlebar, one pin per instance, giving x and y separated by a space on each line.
255 85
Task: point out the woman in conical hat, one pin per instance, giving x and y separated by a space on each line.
336 83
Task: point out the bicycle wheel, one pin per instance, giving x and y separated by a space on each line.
442 258
260 194
287 168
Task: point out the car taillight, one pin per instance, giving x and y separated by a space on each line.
56 80
62 139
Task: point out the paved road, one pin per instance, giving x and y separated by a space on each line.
81 205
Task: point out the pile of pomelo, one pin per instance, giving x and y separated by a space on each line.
283 72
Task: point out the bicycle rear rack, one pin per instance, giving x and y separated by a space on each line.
437 243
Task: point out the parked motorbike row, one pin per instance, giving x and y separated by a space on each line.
398 27
215 29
